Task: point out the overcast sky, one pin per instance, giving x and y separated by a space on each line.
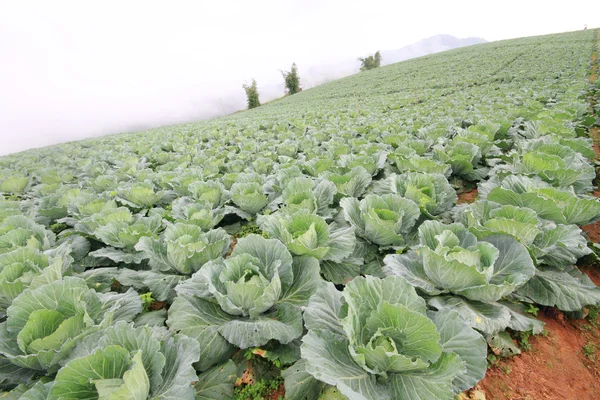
76 69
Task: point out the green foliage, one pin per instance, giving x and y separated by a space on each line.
370 62
252 95
147 300
532 309
523 340
292 80
589 350
592 315
257 390
58 227
250 228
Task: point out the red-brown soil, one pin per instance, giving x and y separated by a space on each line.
277 394
593 230
467 197
562 365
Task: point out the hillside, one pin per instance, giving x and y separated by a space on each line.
318 74
412 232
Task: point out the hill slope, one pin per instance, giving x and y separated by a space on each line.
318 74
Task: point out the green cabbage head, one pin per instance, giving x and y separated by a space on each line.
123 362
44 324
376 340
184 248
383 220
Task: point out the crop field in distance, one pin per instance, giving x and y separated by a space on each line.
390 235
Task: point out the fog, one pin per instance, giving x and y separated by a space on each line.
74 69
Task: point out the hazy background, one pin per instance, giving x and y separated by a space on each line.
76 69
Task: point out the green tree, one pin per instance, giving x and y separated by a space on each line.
370 62
252 94
292 80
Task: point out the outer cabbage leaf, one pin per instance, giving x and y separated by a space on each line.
560 206
568 289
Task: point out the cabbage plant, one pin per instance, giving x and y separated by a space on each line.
467 275
9 209
43 324
377 340
406 159
19 231
309 234
557 164
25 267
249 197
303 193
120 230
353 183
450 259
551 244
211 192
139 195
125 362
14 184
199 213
464 158
247 300
184 248
383 220
431 192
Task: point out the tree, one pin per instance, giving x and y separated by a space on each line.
370 62
252 95
292 80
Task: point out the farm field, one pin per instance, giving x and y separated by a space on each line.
398 234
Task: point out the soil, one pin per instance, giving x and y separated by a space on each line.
593 230
565 364
277 394
592 272
233 244
467 197
157 305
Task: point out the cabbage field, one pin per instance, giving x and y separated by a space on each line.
314 244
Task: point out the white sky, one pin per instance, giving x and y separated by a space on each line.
76 69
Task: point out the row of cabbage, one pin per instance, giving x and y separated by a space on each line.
365 276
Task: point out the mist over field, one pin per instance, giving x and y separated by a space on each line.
73 70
